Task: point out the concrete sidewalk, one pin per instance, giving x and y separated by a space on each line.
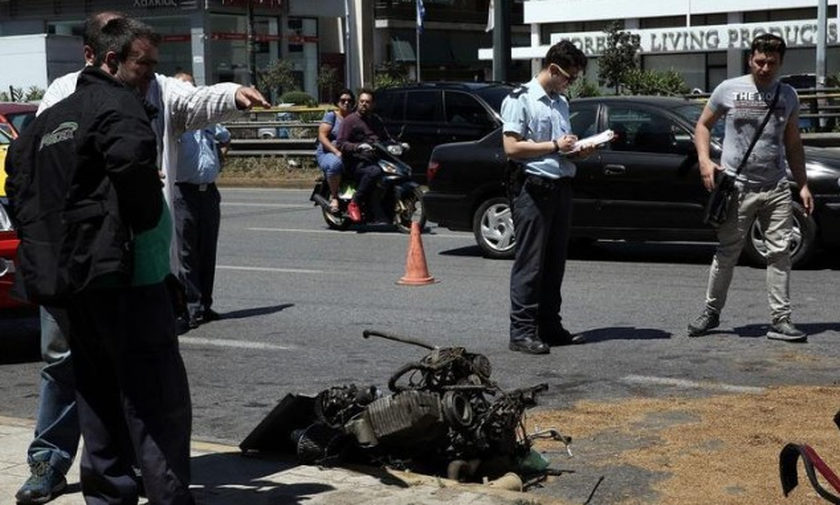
222 476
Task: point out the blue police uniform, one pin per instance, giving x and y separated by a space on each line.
542 205
198 215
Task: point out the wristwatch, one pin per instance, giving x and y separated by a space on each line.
556 146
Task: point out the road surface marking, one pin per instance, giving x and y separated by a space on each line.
237 344
272 205
683 383
270 269
350 233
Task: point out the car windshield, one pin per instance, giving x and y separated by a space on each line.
692 112
4 138
21 120
494 95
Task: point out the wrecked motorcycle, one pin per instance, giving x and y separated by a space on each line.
398 199
443 416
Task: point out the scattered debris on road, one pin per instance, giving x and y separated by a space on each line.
443 416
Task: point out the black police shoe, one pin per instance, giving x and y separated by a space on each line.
529 346
561 336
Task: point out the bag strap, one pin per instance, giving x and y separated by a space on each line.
760 129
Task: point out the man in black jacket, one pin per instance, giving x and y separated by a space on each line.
92 159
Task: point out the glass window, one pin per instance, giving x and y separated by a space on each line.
662 22
389 105
462 108
426 105
719 18
584 120
642 131
21 121
692 66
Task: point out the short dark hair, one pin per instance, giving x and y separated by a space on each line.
367 91
565 55
344 91
768 43
95 22
117 36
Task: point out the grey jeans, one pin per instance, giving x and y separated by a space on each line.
774 210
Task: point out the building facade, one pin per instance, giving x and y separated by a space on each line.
706 42
210 38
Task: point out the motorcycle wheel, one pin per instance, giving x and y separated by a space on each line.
409 209
336 222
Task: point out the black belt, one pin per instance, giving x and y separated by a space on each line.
199 187
545 182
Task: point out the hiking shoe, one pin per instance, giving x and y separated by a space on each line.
783 329
704 322
44 484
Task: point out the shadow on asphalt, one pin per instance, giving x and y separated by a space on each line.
256 311
657 252
760 330
20 342
224 478
624 333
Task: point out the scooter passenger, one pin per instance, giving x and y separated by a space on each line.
327 154
356 135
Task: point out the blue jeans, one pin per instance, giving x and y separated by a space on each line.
57 428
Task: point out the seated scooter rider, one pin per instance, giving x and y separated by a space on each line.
356 136
327 153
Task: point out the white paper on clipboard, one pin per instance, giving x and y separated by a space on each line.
594 140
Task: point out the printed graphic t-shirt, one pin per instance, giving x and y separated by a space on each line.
745 106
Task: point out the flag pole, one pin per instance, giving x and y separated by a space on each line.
417 29
417 44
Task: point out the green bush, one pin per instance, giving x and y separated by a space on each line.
654 82
584 88
299 98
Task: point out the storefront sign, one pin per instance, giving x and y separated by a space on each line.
707 38
151 4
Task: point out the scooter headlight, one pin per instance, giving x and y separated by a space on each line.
388 167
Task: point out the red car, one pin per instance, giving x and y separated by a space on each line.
14 117
8 238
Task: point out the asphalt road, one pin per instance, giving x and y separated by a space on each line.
296 297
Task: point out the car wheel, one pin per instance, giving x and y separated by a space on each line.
493 228
802 242
410 209
335 222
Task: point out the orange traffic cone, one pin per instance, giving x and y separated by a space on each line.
416 271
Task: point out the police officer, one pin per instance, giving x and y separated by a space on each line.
538 139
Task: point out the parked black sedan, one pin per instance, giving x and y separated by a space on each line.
645 185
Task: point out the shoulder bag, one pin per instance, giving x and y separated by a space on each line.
724 191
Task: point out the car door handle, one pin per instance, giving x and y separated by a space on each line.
614 169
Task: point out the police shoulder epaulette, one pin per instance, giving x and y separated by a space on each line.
517 92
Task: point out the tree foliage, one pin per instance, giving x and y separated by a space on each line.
328 82
32 94
390 74
277 78
620 56
583 88
654 82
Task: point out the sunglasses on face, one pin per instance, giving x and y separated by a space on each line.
569 77
345 100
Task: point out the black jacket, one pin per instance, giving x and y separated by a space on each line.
82 181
